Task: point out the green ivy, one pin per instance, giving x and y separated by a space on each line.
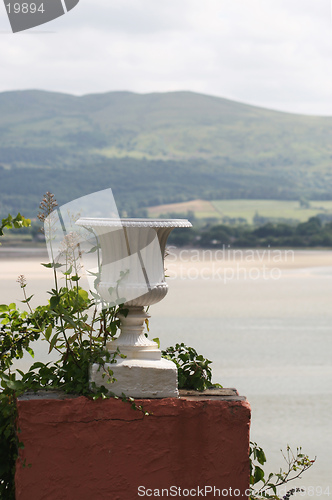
194 371
16 222
79 340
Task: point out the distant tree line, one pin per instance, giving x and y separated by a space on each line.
312 233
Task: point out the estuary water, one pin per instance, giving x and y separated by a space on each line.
265 320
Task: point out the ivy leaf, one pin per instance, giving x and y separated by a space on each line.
93 249
259 474
27 300
68 273
83 293
157 340
11 383
54 301
48 332
26 222
53 342
30 351
261 458
51 265
36 365
69 320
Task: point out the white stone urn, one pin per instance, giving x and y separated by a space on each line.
132 273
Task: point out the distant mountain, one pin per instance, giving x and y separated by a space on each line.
157 148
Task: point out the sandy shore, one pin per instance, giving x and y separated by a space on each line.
283 259
198 258
289 257
22 252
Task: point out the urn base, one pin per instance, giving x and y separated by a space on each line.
141 378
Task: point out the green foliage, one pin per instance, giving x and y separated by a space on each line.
264 485
17 330
14 222
194 371
79 340
12 342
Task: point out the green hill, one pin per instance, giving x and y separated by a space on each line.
157 148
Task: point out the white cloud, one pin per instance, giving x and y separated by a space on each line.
276 53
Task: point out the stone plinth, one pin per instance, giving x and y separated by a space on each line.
139 378
81 449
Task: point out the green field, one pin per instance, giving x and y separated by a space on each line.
271 209
246 209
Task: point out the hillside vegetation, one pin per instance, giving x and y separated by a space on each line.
157 148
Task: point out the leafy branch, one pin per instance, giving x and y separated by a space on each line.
297 464
194 371
14 222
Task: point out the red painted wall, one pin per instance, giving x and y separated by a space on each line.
96 450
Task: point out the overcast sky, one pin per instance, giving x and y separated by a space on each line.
272 53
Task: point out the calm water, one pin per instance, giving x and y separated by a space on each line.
267 330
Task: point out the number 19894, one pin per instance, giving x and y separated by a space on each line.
25 8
